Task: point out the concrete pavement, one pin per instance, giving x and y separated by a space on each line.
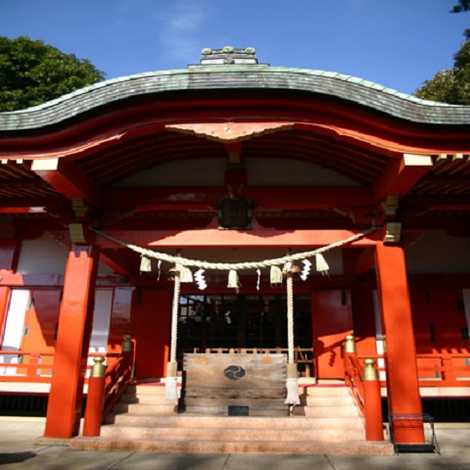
18 451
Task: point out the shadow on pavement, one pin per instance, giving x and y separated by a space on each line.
15 457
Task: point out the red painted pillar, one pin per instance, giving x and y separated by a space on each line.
402 374
95 399
73 337
372 402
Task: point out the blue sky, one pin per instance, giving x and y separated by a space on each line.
398 43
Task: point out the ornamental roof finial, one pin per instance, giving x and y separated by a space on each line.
229 55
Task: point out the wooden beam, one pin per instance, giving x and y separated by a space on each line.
23 210
113 262
265 197
401 175
229 131
65 178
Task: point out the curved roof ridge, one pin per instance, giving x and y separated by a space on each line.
205 77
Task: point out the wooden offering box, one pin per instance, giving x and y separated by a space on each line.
238 384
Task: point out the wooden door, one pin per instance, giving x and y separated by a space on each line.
331 323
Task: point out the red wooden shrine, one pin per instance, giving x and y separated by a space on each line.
319 156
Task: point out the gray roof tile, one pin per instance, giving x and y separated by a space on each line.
348 88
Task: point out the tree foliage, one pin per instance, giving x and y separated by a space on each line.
463 5
32 72
451 85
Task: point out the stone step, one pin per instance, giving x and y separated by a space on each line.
145 398
321 400
327 391
224 402
359 447
146 389
222 410
146 409
229 434
246 422
331 411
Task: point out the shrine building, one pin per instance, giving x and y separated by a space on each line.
236 257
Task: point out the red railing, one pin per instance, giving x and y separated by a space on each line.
438 369
105 388
117 378
444 369
353 370
38 367
363 380
28 367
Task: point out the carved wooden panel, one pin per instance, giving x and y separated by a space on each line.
216 381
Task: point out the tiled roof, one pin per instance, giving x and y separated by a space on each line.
218 77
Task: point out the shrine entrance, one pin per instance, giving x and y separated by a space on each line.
245 322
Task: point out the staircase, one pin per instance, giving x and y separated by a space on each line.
145 421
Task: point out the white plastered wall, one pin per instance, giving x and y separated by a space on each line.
45 255
14 329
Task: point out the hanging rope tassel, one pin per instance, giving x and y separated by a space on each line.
233 279
145 264
258 279
171 381
292 385
275 275
321 264
159 269
186 275
305 272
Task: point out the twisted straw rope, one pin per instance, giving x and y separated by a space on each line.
290 318
174 318
235 266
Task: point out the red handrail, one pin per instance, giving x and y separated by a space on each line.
444 369
352 376
119 374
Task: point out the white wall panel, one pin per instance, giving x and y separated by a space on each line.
14 329
42 255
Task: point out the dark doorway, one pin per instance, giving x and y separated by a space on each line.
241 321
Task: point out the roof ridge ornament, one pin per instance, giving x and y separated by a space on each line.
229 55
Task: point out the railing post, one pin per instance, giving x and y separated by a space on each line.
449 376
128 351
372 402
349 349
95 399
349 345
126 344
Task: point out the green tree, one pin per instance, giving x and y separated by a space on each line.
451 85
463 5
32 72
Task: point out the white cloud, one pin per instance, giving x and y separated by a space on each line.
180 28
